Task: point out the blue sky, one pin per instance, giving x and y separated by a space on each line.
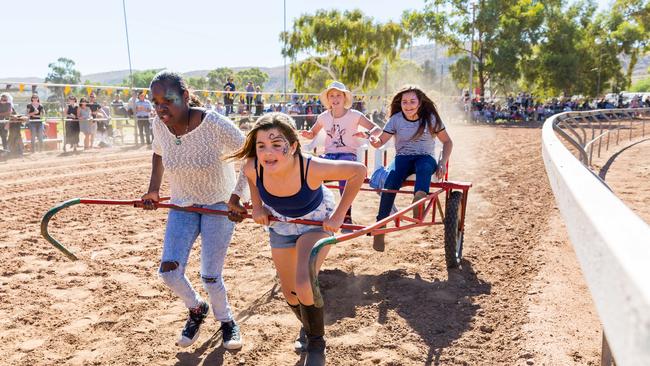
183 35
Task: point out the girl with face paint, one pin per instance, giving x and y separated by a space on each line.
342 127
415 124
287 184
188 145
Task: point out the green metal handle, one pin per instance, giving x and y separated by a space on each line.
46 219
313 272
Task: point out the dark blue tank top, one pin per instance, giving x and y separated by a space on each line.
303 202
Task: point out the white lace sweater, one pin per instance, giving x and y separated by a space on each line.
195 169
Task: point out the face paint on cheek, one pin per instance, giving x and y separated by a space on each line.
174 97
285 143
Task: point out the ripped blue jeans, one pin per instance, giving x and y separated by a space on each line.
216 231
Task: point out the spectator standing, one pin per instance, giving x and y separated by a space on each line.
5 114
99 116
35 112
229 97
72 129
14 125
143 110
119 112
86 123
259 101
250 88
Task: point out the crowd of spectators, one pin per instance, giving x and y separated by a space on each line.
527 108
102 123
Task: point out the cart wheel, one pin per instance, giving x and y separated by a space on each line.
453 234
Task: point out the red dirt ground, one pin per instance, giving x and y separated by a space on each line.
519 298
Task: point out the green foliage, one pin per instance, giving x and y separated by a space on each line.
641 86
628 26
63 72
257 76
218 77
197 83
141 79
346 46
576 54
505 31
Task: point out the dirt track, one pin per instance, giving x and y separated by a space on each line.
519 298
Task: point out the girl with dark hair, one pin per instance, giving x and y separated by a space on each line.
72 129
415 124
288 184
188 144
35 112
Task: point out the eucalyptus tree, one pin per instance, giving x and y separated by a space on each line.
346 46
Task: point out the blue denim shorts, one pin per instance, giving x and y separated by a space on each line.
285 234
279 241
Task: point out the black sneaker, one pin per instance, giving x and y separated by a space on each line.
192 328
231 335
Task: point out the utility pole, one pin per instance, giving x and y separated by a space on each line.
471 56
128 49
284 87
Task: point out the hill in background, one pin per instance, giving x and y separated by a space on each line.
419 54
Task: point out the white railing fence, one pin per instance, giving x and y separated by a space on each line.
611 242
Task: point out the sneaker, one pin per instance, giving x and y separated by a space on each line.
192 328
231 335
300 344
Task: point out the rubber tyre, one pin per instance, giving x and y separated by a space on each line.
453 236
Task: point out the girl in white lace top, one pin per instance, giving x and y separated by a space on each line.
188 145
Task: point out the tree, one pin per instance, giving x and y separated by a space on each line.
63 72
629 24
197 83
576 54
642 85
257 76
348 46
141 79
505 31
218 77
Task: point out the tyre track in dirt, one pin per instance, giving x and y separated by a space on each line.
401 307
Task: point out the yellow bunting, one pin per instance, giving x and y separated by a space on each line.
89 90
109 91
66 90
205 93
21 87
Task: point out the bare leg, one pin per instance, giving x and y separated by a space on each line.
304 246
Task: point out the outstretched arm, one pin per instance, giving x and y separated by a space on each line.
379 141
313 131
373 129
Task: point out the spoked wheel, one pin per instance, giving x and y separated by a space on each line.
453 234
